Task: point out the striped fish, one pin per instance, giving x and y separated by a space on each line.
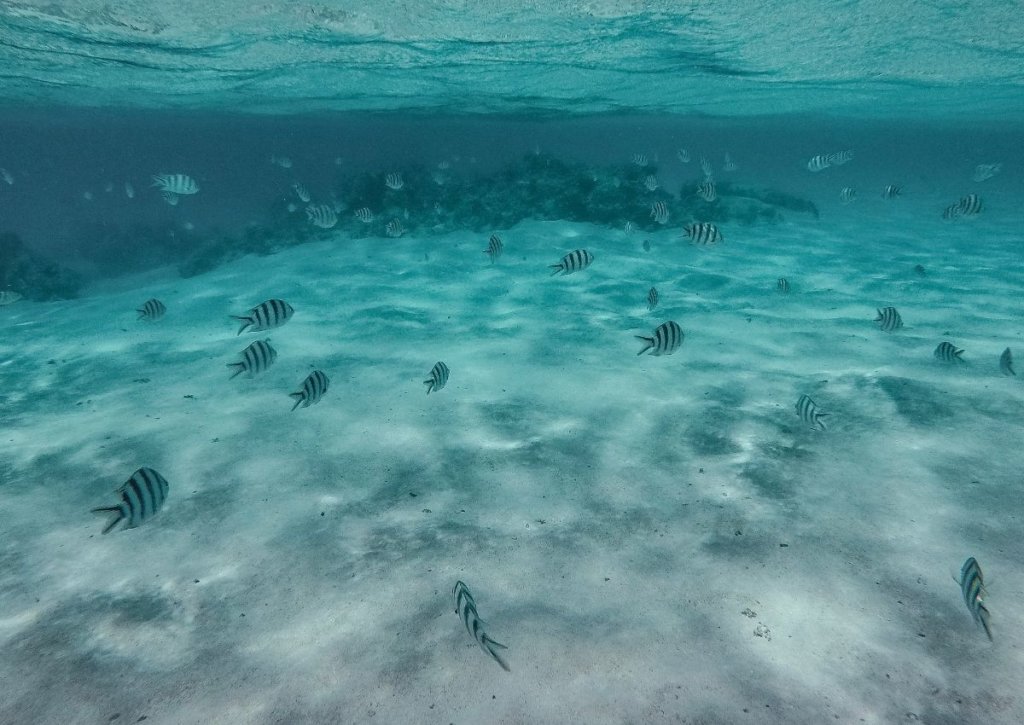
652 298
705 166
438 377
969 205
948 352
152 309
818 163
972 586
465 607
265 316
667 338
301 191
628 227
839 158
255 359
1006 362
394 181
984 172
574 261
847 195
7 176
707 191
703 233
651 182
783 285
142 495
394 229
659 212
364 215
640 159
313 388
170 197
683 155
889 319
321 215
891 191
179 184
9 297
809 413
494 247
729 164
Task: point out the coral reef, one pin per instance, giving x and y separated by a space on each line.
33 276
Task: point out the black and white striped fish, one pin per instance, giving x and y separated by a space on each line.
142 495
972 586
818 163
783 285
705 166
465 607
847 195
9 297
152 309
839 158
301 191
809 413
265 316
651 182
703 233
948 352
255 359
313 388
1006 363
394 181
574 261
394 229
321 215
984 172
628 227
891 191
438 377
640 159
683 155
667 338
707 191
889 319
364 215
969 205
652 298
180 184
659 212
494 247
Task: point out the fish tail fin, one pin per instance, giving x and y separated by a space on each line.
429 384
648 346
142 313
246 321
983 617
298 399
116 514
489 646
240 366
557 267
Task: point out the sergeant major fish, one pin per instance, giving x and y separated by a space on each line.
142 495
178 184
948 352
809 413
667 338
1006 362
703 233
265 316
889 319
438 377
465 607
313 388
972 587
494 247
574 261
152 309
255 359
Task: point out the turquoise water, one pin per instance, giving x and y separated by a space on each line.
655 539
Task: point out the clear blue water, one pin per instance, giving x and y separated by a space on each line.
656 539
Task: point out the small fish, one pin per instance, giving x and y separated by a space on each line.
265 316
659 212
919 270
465 607
839 158
301 191
847 195
705 166
152 309
818 163
948 352
364 215
142 495
321 215
180 184
283 161
809 413
651 182
438 377
646 245
889 319
783 285
1006 362
255 359
129 190
628 227
703 233
313 388
109 187
729 164
683 155
640 159
667 338
494 247
982 172
394 228
9 297
707 191
891 191
444 165
972 586
169 196
7 176
574 261
969 205
394 181
652 298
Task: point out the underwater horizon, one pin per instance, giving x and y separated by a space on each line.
460 363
